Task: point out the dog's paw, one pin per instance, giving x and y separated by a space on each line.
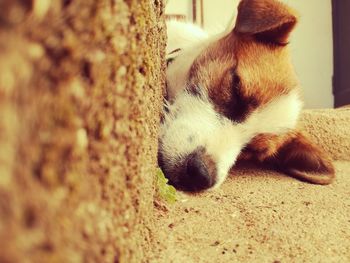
262 147
302 159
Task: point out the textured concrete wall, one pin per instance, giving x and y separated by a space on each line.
80 93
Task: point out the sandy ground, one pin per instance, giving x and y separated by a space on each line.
259 216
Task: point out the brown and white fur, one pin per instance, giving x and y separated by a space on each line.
235 96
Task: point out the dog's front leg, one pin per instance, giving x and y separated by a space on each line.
292 154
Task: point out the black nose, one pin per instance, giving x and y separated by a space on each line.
196 176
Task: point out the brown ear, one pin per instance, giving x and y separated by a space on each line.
267 20
302 159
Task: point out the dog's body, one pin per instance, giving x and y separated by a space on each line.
235 96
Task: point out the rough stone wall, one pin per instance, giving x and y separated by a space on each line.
80 93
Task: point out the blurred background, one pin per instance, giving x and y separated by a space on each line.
317 52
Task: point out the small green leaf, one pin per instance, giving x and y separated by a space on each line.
165 191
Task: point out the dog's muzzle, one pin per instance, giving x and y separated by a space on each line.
194 173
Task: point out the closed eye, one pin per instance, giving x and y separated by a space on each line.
236 80
240 106
235 86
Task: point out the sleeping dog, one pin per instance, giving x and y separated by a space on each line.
235 96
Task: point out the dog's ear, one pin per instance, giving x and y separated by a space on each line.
267 20
302 159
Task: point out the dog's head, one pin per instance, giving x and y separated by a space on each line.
225 91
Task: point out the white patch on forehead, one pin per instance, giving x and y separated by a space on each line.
183 35
192 122
192 40
178 71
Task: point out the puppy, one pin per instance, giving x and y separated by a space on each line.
235 96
